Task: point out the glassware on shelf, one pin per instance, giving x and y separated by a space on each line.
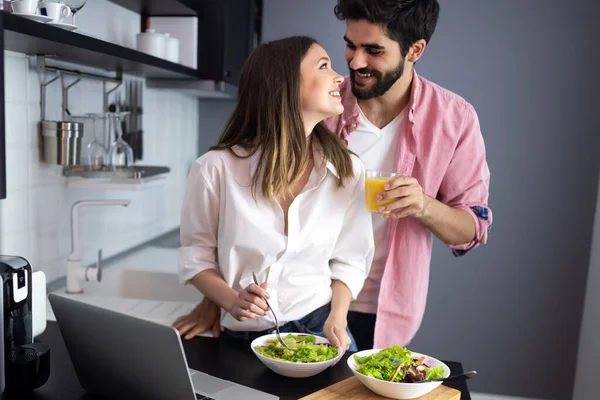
120 153
97 155
74 5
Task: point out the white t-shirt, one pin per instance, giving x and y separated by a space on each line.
377 150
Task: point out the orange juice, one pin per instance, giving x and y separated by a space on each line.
374 187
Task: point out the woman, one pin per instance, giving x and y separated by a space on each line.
281 196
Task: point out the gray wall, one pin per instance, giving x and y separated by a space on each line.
589 346
511 309
213 115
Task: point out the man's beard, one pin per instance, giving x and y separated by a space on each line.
382 84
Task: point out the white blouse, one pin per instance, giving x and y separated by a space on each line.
330 235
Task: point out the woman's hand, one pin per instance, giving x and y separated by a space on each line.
249 303
335 330
206 315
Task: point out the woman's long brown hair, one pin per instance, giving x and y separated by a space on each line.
268 118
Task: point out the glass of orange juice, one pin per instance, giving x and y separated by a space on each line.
374 183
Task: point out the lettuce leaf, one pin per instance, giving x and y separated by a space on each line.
302 349
434 373
383 365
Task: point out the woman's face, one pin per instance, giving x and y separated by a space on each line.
319 87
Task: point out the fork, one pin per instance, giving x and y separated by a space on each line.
465 375
274 316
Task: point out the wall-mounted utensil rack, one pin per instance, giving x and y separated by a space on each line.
115 80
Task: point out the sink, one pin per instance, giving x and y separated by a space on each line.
171 241
138 284
142 286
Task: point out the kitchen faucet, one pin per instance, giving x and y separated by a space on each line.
76 272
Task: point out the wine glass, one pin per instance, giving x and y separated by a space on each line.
96 152
74 5
120 153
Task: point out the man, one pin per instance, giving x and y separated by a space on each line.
396 121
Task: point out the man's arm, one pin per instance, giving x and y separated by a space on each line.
466 184
459 216
452 226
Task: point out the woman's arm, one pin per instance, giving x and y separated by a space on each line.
247 304
340 300
198 255
335 325
351 261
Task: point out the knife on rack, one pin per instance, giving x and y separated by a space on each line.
139 114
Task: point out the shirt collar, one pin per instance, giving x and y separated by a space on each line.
323 165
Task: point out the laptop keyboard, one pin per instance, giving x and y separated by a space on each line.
200 397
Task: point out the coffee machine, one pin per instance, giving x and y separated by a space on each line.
26 364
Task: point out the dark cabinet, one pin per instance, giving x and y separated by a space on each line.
228 31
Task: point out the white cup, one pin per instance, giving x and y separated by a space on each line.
171 48
56 11
24 6
151 42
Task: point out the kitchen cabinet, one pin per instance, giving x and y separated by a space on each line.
160 7
228 31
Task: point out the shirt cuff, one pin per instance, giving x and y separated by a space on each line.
482 216
193 260
351 276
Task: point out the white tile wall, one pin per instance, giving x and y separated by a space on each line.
35 217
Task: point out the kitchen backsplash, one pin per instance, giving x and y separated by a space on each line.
35 217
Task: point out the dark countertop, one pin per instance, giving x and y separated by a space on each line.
223 358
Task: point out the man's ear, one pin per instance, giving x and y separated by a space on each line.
416 51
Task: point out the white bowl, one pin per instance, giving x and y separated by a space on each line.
293 369
397 390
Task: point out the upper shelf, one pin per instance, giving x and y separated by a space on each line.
159 7
30 37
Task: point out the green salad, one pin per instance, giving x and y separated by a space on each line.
302 349
397 364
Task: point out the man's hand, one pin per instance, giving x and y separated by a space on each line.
249 303
335 330
453 226
206 315
409 200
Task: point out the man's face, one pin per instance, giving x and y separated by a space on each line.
374 59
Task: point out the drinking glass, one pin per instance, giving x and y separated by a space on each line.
120 153
374 183
96 152
74 5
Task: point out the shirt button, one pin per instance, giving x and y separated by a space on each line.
344 122
354 125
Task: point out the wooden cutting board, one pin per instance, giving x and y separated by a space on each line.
351 388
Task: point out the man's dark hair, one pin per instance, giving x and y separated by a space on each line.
405 21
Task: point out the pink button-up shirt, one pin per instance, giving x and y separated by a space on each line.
442 147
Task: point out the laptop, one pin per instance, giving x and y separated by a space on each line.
118 356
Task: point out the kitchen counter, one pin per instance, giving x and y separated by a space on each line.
223 358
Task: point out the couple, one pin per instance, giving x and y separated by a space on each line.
282 193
